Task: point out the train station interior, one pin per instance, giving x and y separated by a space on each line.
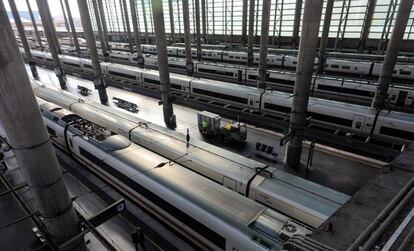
235 125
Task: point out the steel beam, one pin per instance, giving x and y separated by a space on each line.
367 25
264 40
50 33
66 22
325 35
391 55
104 24
296 23
73 29
244 23
26 133
39 40
162 57
137 36
171 12
304 70
23 38
197 11
98 80
251 33
125 6
144 15
187 39
204 21
100 31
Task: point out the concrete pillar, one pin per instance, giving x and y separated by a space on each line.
104 26
72 27
367 25
131 47
162 56
50 33
244 23
307 50
250 56
137 36
100 31
325 35
145 21
204 23
296 23
187 39
98 81
66 22
39 40
391 55
26 133
171 12
264 39
23 38
197 12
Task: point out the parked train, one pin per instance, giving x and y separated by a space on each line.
357 119
212 216
293 196
398 96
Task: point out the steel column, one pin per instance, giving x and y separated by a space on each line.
66 21
145 21
50 33
171 12
367 25
137 36
197 11
391 55
98 81
264 40
187 39
251 32
73 29
296 23
23 38
100 32
39 40
325 35
244 23
131 46
304 70
104 26
26 133
204 21
162 57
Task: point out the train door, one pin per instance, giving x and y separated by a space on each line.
402 96
253 102
229 183
239 75
358 123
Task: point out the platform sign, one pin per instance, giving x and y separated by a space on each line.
287 138
108 213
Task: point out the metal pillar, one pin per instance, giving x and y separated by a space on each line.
26 133
137 36
197 11
307 50
39 40
251 32
296 23
170 9
145 21
131 47
104 26
187 39
72 27
50 33
367 25
264 40
204 23
23 38
98 81
100 32
325 35
391 55
162 56
66 21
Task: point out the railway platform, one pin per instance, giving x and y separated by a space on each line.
346 226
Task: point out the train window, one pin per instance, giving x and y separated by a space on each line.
405 72
51 131
231 57
396 133
151 81
70 143
253 77
277 108
87 66
71 64
346 90
358 125
237 57
294 62
335 66
251 102
345 67
395 71
331 119
220 96
120 58
174 86
122 75
244 58
211 235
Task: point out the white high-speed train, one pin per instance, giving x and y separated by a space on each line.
357 119
295 197
212 216
398 96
